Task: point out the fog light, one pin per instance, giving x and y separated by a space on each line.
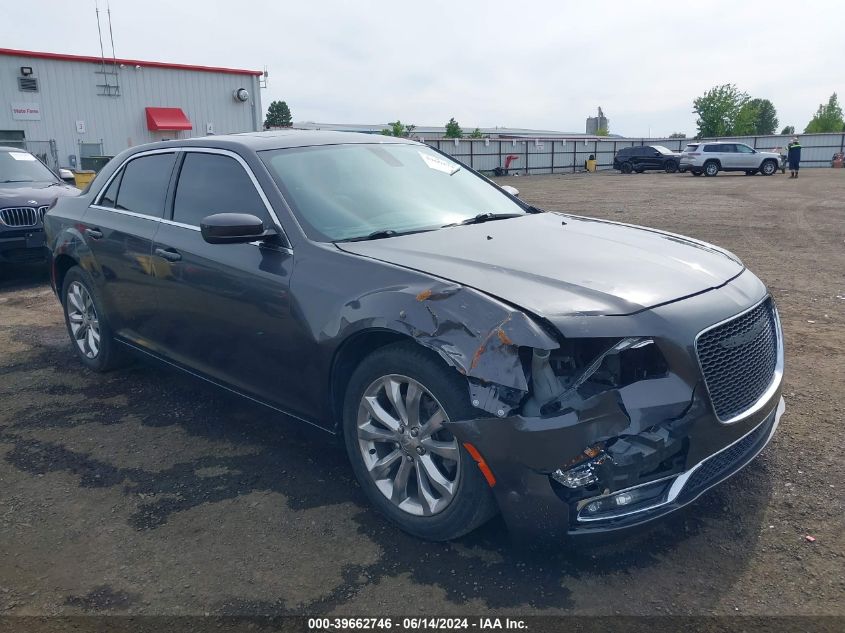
624 502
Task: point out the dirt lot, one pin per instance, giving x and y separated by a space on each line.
147 492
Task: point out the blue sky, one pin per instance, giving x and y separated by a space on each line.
540 64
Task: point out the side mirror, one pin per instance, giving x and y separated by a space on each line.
232 228
67 176
511 190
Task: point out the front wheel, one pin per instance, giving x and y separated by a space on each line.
87 325
711 168
671 167
768 168
410 465
627 168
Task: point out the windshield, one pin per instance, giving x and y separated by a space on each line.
342 192
23 167
661 149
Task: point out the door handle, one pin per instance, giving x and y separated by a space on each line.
94 234
168 254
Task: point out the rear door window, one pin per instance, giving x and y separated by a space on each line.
213 183
143 187
716 148
110 195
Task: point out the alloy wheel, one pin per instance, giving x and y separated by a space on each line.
84 323
413 460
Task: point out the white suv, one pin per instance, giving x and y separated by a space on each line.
709 158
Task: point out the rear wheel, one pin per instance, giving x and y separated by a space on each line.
87 325
627 168
412 468
768 168
711 168
671 167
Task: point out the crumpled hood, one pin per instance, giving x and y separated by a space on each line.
22 194
559 265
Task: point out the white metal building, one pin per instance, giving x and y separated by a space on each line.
69 108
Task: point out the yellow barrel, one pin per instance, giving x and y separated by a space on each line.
591 164
84 177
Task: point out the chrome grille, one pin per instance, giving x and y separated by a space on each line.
41 212
19 216
739 358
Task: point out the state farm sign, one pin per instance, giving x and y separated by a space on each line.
26 111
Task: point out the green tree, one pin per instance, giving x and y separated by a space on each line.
828 118
278 115
476 133
718 109
757 116
397 128
602 131
453 130
789 129
767 116
677 135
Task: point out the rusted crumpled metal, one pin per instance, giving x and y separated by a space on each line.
480 337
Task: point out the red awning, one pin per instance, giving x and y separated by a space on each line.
167 119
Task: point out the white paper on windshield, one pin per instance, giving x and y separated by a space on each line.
439 164
21 156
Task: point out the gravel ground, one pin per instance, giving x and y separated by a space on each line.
147 492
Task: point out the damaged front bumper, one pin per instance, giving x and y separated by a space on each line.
534 505
631 454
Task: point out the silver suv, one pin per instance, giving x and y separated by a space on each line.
709 158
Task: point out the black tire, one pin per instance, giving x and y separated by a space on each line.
711 168
671 166
768 168
627 168
109 354
695 172
473 502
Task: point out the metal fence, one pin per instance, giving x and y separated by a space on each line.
547 155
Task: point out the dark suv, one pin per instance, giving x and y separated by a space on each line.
473 353
642 157
27 189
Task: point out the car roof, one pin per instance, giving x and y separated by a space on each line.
278 139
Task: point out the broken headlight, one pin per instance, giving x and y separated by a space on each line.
582 368
595 365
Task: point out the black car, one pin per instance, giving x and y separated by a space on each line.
474 353
646 157
27 189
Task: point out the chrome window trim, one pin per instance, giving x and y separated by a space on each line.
131 214
681 480
96 203
199 150
777 377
